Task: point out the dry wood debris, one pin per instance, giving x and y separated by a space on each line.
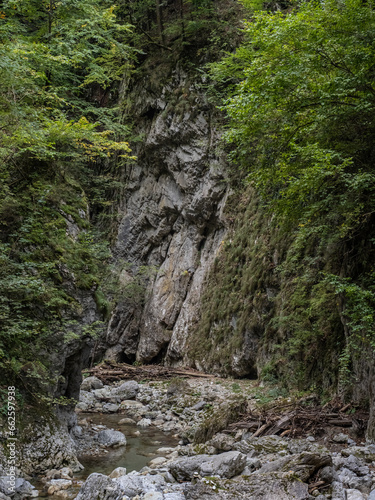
298 418
110 371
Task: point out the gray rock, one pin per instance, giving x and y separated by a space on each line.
156 462
100 487
274 465
222 442
86 401
357 466
127 421
199 406
110 408
134 484
77 431
352 494
245 447
132 408
340 438
22 488
47 447
303 465
366 453
328 474
271 444
253 463
254 487
172 219
105 394
226 465
153 495
174 496
118 472
56 485
66 473
351 480
338 492
91 383
111 438
127 390
372 495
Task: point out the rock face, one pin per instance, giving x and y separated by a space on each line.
225 465
100 487
171 218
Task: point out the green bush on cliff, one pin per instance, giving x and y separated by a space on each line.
300 119
60 130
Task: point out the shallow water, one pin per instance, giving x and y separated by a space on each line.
138 452
139 449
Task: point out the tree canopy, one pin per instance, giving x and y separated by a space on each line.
301 120
61 64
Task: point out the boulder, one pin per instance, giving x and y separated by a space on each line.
91 383
86 401
303 465
105 394
222 442
127 421
111 438
353 494
144 422
254 487
22 488
100 487
340 438
226 465
110 408
135 484
56 485
118 472
132 408
127 390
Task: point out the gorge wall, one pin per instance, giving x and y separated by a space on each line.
171 217
230 292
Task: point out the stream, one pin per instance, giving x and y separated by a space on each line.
139 450
141 447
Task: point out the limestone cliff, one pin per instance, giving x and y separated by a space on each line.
171 216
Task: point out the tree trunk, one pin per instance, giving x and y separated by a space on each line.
159 20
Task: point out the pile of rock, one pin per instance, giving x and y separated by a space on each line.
175 407
266 468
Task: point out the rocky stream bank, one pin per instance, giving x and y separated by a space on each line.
210 448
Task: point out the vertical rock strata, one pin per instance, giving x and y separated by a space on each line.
171 218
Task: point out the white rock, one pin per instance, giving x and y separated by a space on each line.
118 472
354 495
155 462
144 422
58 484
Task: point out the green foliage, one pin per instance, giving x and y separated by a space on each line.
301 114
300 120
61 150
